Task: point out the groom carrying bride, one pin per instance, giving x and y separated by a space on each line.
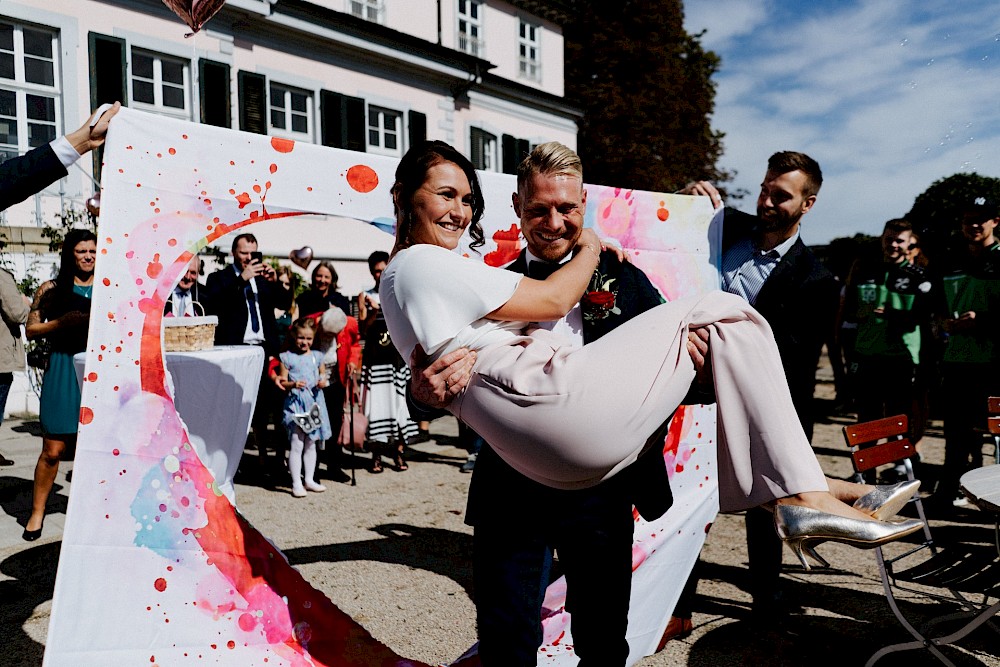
592 530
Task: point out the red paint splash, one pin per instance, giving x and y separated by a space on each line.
282 145
273 167
154 268
86 415
160 584
508 247
362 178
662 213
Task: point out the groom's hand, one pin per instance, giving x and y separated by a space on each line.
698 349
436 384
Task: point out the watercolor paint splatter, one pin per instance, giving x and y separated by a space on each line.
157 566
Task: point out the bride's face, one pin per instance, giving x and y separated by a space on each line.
442 206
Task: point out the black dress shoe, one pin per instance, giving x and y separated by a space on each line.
4 461
31 535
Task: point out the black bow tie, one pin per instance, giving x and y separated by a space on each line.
541 270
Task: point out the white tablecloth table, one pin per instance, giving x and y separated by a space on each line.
215 392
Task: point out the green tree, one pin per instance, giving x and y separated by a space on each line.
937 211
645 87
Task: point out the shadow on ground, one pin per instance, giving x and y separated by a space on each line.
33 577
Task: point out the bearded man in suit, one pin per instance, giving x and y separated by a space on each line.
765 262
514 537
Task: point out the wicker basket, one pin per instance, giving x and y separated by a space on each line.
188 334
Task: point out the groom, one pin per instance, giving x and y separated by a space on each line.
517 522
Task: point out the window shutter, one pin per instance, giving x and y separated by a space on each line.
355 123
476 147
213 90
523 150
107 80
253 102
107 70
418 128
343 122
508 145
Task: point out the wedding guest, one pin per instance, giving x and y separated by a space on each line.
14 308
384 376
244 296
60 313
338 339
303 375
323 292
284 316
189 297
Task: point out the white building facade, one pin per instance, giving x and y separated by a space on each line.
367 75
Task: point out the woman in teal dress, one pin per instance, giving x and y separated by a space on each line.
60 313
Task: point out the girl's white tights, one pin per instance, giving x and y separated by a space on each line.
302 454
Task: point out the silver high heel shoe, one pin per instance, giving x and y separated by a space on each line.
885 501
803 528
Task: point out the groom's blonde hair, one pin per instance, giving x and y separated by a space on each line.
550 159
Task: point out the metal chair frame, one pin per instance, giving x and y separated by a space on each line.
964 576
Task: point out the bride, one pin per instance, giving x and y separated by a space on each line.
536 399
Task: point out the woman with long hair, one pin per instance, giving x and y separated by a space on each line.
60 313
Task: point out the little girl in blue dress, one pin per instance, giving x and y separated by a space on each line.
305 418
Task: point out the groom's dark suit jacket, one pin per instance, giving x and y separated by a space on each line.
497 490
21 177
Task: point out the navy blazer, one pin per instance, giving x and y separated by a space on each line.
496 487
23 176
227 300
799 300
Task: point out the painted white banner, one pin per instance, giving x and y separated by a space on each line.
157 566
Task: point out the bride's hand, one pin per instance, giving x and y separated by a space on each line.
589 238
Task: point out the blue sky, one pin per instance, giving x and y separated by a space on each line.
887 95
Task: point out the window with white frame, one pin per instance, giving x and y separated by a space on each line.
530 64
291 112
484 150
385 128
470 26
369 10
160 84
29 88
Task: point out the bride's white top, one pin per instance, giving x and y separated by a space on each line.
439 299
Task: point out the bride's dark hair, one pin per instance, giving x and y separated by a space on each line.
411 174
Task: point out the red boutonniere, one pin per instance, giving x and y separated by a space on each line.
599 300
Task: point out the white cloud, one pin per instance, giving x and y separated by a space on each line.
889 97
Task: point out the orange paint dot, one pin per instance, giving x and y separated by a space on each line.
309 189
172 151
107 283
662 214
92 377
160 584
362 178
184 136
273 167
86 415
282 145
256 189
172 242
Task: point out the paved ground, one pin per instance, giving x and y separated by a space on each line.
393 552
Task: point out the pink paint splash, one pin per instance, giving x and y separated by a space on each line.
307 630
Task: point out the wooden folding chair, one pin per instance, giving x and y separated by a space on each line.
993 425
960 574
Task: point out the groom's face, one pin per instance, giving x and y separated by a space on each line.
551 208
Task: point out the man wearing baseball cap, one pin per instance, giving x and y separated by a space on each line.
971 289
